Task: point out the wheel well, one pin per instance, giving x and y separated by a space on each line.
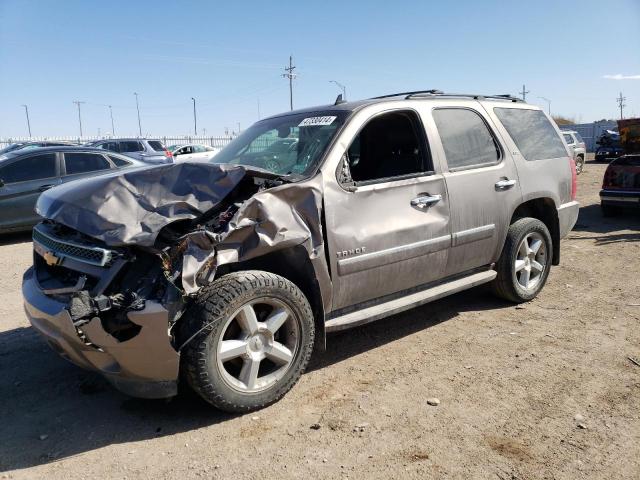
544 209
294 265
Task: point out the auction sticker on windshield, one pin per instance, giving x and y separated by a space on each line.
316 121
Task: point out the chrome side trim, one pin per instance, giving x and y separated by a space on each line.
371 260
473 235
401 304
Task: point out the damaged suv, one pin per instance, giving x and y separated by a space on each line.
228 274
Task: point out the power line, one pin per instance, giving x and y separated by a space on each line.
524 93
621 104
290 75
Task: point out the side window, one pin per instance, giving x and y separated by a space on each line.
131 147
568 138
84 162
31 168
119 162
390 145
532 133
466 138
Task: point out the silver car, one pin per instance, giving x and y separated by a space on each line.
227 275
576 144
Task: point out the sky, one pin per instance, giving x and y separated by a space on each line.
230 56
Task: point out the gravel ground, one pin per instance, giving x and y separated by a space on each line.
543 390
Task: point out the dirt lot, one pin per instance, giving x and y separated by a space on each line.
511 381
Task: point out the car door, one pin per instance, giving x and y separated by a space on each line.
83 164
23 180
482 183
386 209
185 153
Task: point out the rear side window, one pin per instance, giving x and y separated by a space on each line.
532 133
31 168
568 138
119 162
113 146
84 162
131 147
157 146
466 139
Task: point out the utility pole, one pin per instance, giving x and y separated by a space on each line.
113 129
548 104
524 93
78 102
290 75
195 124
26 110
344 89
621 104
138 108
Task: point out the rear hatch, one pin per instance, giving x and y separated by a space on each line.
623 174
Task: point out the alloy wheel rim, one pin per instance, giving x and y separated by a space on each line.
258 345
531 261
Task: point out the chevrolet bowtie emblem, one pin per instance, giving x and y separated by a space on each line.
51 259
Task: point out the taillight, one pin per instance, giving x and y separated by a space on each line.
168 153
574 178
609 178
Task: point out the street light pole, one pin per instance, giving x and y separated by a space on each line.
113 129
138 108
344 89
26 110
78 102
195 124
548 104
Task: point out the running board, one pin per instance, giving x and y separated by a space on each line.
376 312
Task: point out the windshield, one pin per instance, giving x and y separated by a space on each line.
290 144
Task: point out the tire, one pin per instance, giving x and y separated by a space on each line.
579 164
219 362
516 260
609 210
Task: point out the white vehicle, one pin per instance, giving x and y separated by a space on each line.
182 153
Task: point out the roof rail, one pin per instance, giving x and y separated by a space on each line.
438 93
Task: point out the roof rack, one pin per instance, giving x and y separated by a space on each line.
439 93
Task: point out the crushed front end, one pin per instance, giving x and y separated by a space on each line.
106 309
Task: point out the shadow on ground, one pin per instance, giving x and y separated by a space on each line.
591 220
51 409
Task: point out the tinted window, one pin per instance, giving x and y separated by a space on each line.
466 139
157 146
113 146
31 168
568 138
388 146
119 162
532 133
84 162
131 147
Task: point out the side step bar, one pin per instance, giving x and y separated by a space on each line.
376 312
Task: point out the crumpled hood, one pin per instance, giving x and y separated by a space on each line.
132 206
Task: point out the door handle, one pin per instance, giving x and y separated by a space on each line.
45 187
505 184
425 201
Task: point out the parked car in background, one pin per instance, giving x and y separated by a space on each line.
150 151
609 147
25 174
231 272
28 145
182 153
577 146
621 183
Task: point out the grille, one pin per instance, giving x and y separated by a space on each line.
94 255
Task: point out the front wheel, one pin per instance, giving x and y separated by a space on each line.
579 164
253 339
525 261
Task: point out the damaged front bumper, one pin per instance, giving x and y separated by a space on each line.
144 366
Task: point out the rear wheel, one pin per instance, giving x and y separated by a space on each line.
579 164
524 265
253 339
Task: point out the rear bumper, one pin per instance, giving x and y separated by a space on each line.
145 366
620 198
567 217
